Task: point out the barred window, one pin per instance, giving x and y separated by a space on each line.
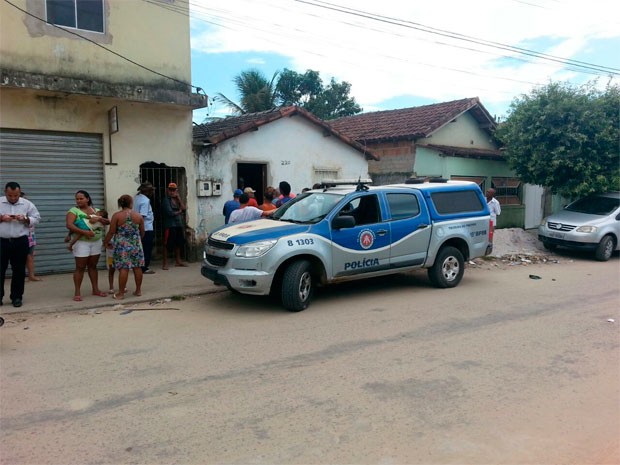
508 191
320 174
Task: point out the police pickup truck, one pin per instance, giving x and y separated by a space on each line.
340 233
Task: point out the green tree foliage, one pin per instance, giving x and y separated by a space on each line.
256 91
565 138
291 88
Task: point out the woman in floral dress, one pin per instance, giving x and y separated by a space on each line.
127 228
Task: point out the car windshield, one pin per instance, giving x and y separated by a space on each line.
310 207
594 205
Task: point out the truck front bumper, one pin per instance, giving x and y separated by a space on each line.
243 281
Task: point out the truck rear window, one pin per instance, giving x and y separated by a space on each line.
447 203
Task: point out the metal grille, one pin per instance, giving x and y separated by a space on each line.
220 244
50 167
560 226
217 261
160 176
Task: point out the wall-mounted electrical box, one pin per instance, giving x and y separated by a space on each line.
204 188
217 188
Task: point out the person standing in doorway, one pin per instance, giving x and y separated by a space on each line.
494 208
16 216
173 210
142 206
252 202
231 205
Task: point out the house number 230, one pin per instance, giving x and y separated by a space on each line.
285 162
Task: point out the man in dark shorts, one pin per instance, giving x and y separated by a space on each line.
173 210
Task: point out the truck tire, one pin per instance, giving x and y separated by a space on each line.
297 286
448 268
605 249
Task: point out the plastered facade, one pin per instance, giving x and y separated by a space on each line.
292 149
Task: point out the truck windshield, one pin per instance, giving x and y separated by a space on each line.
594 205
310 207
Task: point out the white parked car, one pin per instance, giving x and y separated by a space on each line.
590 223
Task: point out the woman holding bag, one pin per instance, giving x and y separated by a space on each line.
88 247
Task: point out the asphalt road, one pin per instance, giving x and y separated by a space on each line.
502 369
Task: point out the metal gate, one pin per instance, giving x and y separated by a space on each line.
160 175
51 167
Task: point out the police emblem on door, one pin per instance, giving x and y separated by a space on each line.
366 239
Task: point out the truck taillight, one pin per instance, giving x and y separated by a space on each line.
490 230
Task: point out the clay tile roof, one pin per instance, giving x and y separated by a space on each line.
226 128
410 123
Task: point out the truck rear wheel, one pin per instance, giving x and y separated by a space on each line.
448 268
297 286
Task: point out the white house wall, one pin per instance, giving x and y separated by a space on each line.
292 148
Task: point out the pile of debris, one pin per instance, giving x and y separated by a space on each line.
516 246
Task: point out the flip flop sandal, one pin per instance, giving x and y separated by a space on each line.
77 298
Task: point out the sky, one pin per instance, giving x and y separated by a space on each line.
406 53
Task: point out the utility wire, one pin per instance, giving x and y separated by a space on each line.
572 65
457 36
198 89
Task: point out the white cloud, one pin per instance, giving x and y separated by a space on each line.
383 60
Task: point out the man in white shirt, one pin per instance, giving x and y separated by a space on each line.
246 213
493 204
17 214
142 205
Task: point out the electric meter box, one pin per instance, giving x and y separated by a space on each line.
217 188
204 188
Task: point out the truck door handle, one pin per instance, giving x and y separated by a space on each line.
382 232
422 226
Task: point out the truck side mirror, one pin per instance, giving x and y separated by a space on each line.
344 221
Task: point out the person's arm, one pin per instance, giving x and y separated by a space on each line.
182 207
70 224
499 207
141 226
32 216
111 231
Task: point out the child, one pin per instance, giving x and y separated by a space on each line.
109 259
86 225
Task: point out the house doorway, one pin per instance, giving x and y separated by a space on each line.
252 175
160 175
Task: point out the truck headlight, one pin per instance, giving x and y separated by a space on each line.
586 229
255 249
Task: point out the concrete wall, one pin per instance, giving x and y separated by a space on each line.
146 133
292 149
145 32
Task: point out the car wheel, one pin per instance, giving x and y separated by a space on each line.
448 268
297 286
605 249
549 246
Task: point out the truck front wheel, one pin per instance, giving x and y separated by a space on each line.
297 286
448 268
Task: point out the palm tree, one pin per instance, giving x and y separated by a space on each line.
257 93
